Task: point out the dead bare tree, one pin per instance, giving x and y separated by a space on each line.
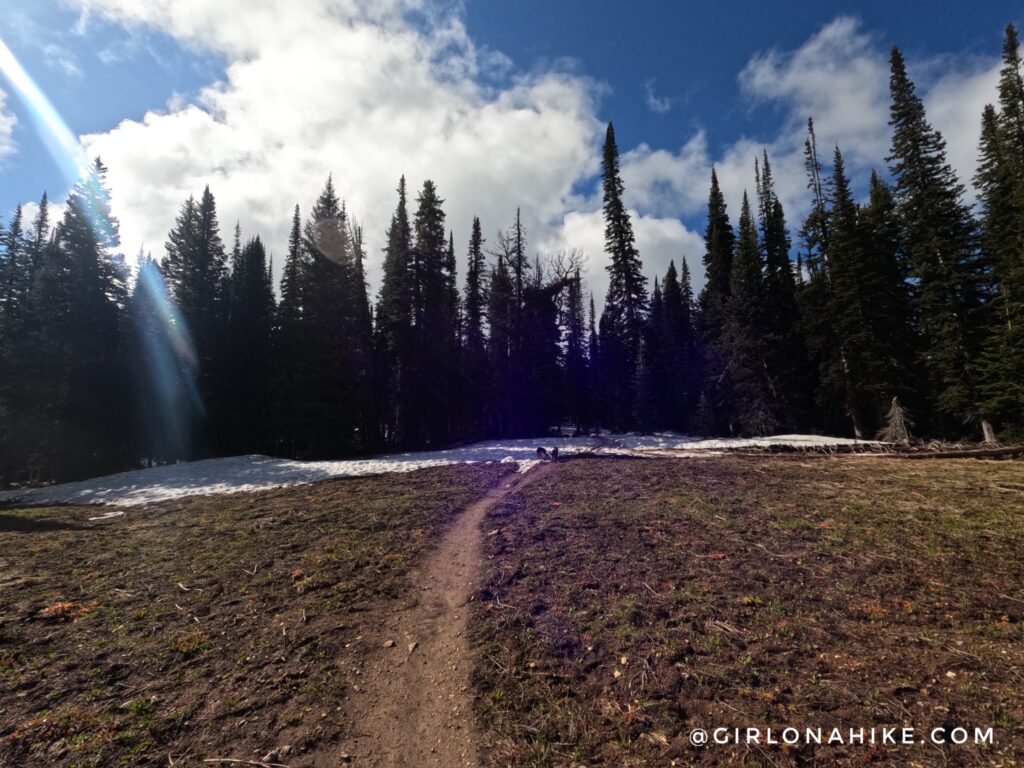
897 427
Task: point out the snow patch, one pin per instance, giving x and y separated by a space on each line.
252 473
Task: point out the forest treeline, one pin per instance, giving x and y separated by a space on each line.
910 294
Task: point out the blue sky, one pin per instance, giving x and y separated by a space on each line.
501 102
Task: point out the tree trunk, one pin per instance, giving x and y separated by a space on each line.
987 431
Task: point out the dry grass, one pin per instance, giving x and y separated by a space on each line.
630 601
220 626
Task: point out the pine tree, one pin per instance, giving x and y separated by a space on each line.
434 333
867 312
719 248
248 350
785 353
1000 184
939 237
757 403
475 365
680 386
162 361
650 386
500 309
195 268
335 391
815 229
39 237
288 344
577 399
76 362
394 329
625 307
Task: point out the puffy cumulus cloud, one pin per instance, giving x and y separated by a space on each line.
366 91
659 240
840 77
7 123
954 104
372 89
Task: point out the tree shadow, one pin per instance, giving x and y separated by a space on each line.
17 524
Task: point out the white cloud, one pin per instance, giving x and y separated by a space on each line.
954 105
7 123
658 104
659 240
840 77
357 90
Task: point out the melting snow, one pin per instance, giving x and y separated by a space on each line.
252 473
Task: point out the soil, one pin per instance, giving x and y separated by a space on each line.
415 706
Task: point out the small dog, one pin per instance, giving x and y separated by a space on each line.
554 453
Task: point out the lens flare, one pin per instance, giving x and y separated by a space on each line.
62 144
173 407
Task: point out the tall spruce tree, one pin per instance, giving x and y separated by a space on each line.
680 388
288 347
196 271
864 367
394 330
757 401
577 389
432 317
250 322
76 365
785 353
719 248
501 308
338 342
650 385
475 366
939 237
625 306
1000 184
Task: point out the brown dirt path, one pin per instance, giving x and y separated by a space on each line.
413 706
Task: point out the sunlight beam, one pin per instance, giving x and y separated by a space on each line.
62 144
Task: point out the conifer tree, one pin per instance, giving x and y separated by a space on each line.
76 365
162 363
939 238
650 387
250 323
475 367
394 329
500 310
785 353
815 229
1000 184
680 387
862 369
577 399
625 307
196 271
288 342
719 247
334 394
433 321
756 392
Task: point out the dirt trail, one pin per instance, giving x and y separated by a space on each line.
414 704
